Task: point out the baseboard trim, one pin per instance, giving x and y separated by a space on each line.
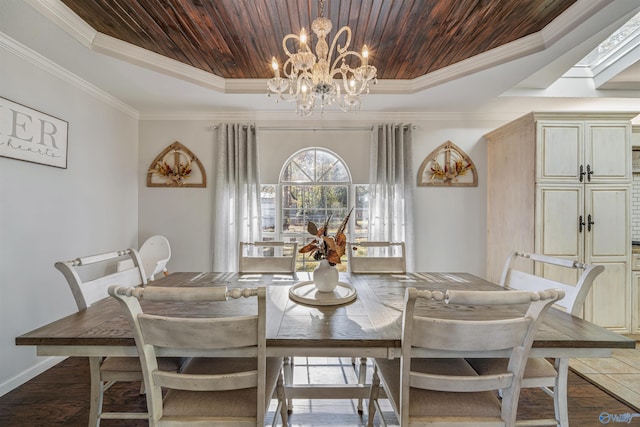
29 374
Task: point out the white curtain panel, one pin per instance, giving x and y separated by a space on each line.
391 187
236 201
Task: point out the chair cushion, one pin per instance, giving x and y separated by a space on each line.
230 403
537 367
437 403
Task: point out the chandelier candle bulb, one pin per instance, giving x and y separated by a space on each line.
365 56
274 65
303 40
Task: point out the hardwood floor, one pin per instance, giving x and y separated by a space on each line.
59 397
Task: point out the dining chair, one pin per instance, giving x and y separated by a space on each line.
228 380
267 257
374 257
155 253
519 273
89 278
377 257
270 257
432 383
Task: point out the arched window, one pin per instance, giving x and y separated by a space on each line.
314 184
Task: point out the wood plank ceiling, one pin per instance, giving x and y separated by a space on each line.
236 38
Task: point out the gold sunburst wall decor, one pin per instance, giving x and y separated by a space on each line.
447 166
176 166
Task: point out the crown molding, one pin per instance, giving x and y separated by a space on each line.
330 118
23 52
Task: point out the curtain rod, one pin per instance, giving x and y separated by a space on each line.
214 127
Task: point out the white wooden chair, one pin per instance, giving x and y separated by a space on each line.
379 257
519 274
447 391
374 257
155 253
228 380
267 257
270 257
88 279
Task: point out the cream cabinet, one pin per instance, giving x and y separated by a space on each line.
560 184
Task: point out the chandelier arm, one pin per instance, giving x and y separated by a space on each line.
334 42
288 68
284 43
344 55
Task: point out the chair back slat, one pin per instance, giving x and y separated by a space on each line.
379 257
460 384
267 257
204 382
198 333
444 334
87 292
551 272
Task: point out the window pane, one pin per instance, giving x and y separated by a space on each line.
361 212
294 173
329 168
268 207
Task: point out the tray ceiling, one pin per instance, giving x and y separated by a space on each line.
235 39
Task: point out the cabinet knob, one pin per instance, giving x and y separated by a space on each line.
589 222
580 224
582 172
589 173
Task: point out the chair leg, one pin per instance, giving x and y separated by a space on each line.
287 367
97 392
362 378
282 399
373 396
560 392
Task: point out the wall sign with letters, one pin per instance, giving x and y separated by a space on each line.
32 136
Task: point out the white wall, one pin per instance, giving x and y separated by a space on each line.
450 221
183 215
50 214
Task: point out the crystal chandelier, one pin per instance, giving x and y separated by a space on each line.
320 79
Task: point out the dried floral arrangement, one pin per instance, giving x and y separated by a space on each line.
181 172
449 171
331 248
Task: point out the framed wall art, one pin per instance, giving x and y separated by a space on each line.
176 166
32 136
447 166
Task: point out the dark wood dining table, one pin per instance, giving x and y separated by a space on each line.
369 326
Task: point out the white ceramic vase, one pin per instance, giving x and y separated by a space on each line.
325 276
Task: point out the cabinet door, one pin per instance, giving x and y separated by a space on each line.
608 303
608 209
608 243
560 148
558 209
607 152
